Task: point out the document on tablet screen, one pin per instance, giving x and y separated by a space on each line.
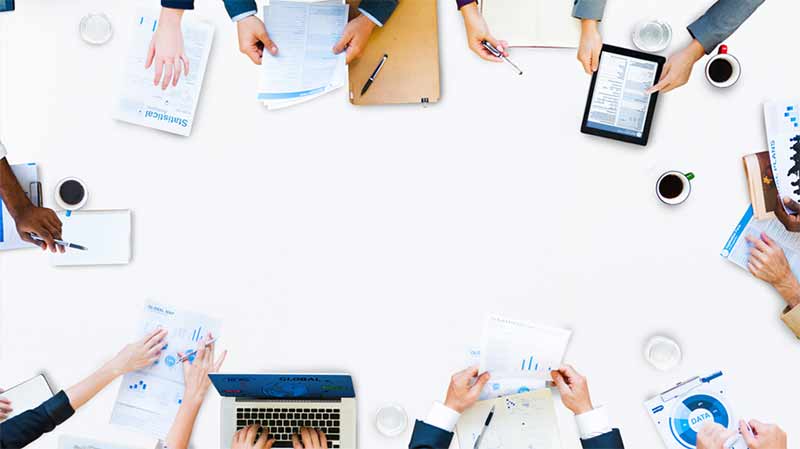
619 103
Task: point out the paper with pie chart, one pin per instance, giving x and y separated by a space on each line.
148 399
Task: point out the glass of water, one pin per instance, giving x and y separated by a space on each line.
652 35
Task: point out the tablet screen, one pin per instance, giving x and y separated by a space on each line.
619 104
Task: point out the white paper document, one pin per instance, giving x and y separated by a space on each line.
305 66
105 233
73 442
523 421
519 349
532 23
783 140
737 248
171 110
148 399
28 177
504 386
28 395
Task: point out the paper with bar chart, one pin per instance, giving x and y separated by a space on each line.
148 399
519 349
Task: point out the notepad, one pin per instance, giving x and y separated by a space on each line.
171 110
28 178
28 395
520 421
106 234
73 442
533 23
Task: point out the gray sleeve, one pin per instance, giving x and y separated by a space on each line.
588 9
721 20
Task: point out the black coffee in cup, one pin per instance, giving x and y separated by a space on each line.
71 192
671 186
720 70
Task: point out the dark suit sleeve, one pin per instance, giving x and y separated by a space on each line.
178 4
238 7
381 10
426 436
610 440
23 429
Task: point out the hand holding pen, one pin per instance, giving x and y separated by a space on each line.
499 54
60 243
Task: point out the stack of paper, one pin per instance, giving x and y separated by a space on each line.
305 66
173 109
28 177
737 248
782 120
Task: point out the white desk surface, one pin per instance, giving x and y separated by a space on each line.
375 240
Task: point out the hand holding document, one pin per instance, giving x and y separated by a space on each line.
305 67
518 349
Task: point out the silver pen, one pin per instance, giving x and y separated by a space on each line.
488 45
483 431
194 351
60 242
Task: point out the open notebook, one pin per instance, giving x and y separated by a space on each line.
533 23
106 234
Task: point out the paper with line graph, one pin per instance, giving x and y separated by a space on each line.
148 399
519 349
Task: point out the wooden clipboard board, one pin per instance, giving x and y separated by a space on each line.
411 73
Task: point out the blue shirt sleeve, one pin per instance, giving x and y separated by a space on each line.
236 8
588 9
379 9
25 428
721 20
178 4
610 440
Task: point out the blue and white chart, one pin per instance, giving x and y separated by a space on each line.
519 349
148 399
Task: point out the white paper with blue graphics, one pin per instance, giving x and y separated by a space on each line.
171 110
28 177
148 399
305 66
783 140
737 248
519 349
500 387
73 442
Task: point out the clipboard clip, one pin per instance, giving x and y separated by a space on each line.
682 388
35 192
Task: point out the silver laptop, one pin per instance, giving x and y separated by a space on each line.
284 403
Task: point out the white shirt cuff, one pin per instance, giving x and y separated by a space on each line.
593 424
370 17
442 417
244 15
3 151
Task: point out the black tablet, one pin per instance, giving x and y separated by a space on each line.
617 106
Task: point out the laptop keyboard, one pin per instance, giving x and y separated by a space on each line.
285 422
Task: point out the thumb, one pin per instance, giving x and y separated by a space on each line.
562 386
757 426
342 44
747 434
270 46
481 382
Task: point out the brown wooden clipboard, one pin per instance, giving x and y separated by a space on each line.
411 73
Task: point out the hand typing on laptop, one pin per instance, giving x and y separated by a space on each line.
257 437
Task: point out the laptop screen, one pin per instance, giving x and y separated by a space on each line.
284 386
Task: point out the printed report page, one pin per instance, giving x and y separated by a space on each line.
619 102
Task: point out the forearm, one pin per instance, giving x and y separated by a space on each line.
469 9
588 9
85 390
181 431
721 20
789 289
13 196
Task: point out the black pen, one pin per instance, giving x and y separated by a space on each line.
374 74
59 242
488 45
483 431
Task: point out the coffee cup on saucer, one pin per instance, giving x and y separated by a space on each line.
723 69
674 187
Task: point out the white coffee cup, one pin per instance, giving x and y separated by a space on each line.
391 420
662 352
735 68
71 194
674 187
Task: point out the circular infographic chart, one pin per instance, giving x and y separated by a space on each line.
692 413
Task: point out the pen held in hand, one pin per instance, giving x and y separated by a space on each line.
497 53
194 351
60 242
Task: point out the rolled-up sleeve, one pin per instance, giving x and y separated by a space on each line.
721 20
791 317
589 9
178 4
26 427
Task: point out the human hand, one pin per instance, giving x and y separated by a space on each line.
768 263
678 68
166 49
355 37
139 354
790 221
246 438
574 389
5 407
763 436
253 39
310 439
478 31
462 394
713 436
590 46
42 222
197 368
